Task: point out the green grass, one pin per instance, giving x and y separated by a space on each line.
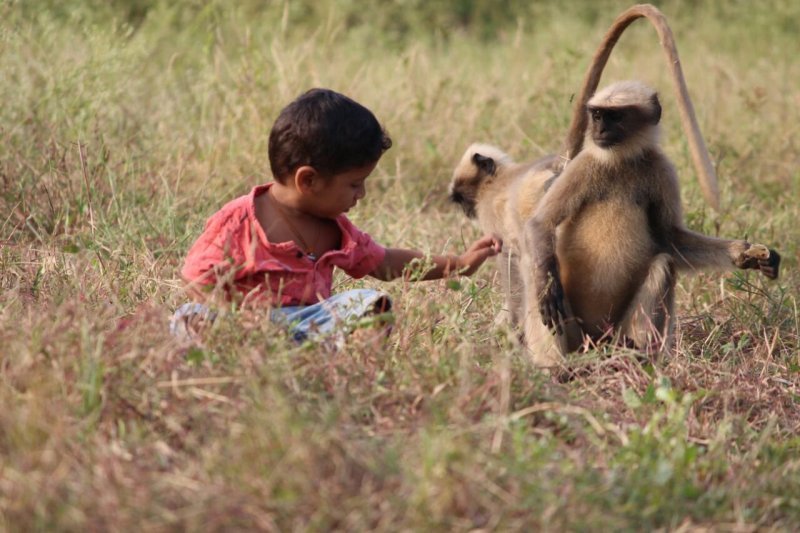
125 124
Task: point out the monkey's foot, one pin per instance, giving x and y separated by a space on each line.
762 258
757 251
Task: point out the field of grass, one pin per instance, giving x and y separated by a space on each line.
125 124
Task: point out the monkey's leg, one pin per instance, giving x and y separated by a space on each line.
693 251
508 269
649 320
547 347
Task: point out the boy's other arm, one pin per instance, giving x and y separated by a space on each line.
397 259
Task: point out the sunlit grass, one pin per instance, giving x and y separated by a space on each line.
124 125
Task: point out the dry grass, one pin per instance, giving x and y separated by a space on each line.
124 127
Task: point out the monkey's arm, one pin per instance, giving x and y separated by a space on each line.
567 195
693 251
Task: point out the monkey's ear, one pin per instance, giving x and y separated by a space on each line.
485 164
656 109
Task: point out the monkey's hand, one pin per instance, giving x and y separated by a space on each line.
551 302
759 257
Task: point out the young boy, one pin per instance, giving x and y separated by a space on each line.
277 246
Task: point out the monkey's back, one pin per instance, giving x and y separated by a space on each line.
524 194
603 255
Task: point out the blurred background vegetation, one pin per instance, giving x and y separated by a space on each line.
159 87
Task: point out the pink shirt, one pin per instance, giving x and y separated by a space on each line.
275 273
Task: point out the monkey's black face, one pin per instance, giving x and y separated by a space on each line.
465 199
467 182
608 126
612 126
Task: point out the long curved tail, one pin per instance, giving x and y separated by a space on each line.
700 156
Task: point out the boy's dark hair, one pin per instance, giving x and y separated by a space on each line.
325 130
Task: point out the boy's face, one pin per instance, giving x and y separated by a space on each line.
341 192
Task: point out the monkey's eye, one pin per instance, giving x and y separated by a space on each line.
613 116
597 115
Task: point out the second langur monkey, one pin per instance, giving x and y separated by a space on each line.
607 238
501 195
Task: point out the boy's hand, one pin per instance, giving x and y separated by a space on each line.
485 247
397 260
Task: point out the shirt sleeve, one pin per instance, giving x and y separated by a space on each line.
217 249
366 253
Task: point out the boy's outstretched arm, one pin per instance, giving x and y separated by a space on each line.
397 259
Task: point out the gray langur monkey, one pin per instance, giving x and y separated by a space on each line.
607 238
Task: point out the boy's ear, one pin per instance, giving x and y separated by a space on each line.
306 178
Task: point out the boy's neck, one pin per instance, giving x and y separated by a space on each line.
288 198
281 214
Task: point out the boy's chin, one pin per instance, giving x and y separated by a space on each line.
334 214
